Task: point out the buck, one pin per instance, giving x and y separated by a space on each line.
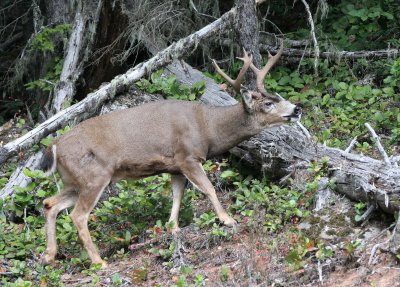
163 137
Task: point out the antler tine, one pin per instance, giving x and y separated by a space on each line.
263 72
247 61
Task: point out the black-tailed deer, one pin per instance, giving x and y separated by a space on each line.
167 136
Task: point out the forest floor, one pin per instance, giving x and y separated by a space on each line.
250 257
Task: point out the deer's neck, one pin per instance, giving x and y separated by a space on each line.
227 127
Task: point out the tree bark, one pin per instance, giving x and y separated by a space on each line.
278 151
65 89
298 53
187 75
248 38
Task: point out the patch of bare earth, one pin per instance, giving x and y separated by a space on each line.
254 258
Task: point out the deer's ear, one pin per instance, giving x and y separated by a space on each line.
248 101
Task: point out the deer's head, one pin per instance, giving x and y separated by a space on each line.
265 109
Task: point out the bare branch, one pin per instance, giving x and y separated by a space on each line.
316 47
378 144
303 129
351 145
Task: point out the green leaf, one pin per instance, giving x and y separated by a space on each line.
128 236
343 86
357 218
46 141
41 193
284 80
228 174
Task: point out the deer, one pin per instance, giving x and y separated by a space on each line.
168 136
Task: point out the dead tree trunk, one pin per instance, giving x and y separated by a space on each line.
79 45
65 89
247 30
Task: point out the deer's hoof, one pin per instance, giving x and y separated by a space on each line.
175 230
229 221
47 259
103 263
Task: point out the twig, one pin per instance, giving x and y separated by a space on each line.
316 47
373 251
351 145
304 130
302 57
143 244
378 144
367 213
28 232
197 11
376 246
320 273
47 82
395 238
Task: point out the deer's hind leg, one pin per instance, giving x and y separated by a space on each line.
194 171
178 182
88 197
52 206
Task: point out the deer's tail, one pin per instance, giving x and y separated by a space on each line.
49 160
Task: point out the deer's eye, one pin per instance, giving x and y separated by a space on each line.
269 105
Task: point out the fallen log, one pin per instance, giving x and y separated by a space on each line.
280 151
276 152
92 102
333 55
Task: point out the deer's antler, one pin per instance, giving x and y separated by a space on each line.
247 62
263 72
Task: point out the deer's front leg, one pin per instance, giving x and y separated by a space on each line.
178 182
194 171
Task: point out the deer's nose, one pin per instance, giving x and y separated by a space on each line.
297 110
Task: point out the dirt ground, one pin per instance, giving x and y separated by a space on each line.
254 258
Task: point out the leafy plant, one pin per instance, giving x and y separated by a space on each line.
360 208
281 205
51 78
324 252
45 39
206 219
169 87
224 273
352 25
